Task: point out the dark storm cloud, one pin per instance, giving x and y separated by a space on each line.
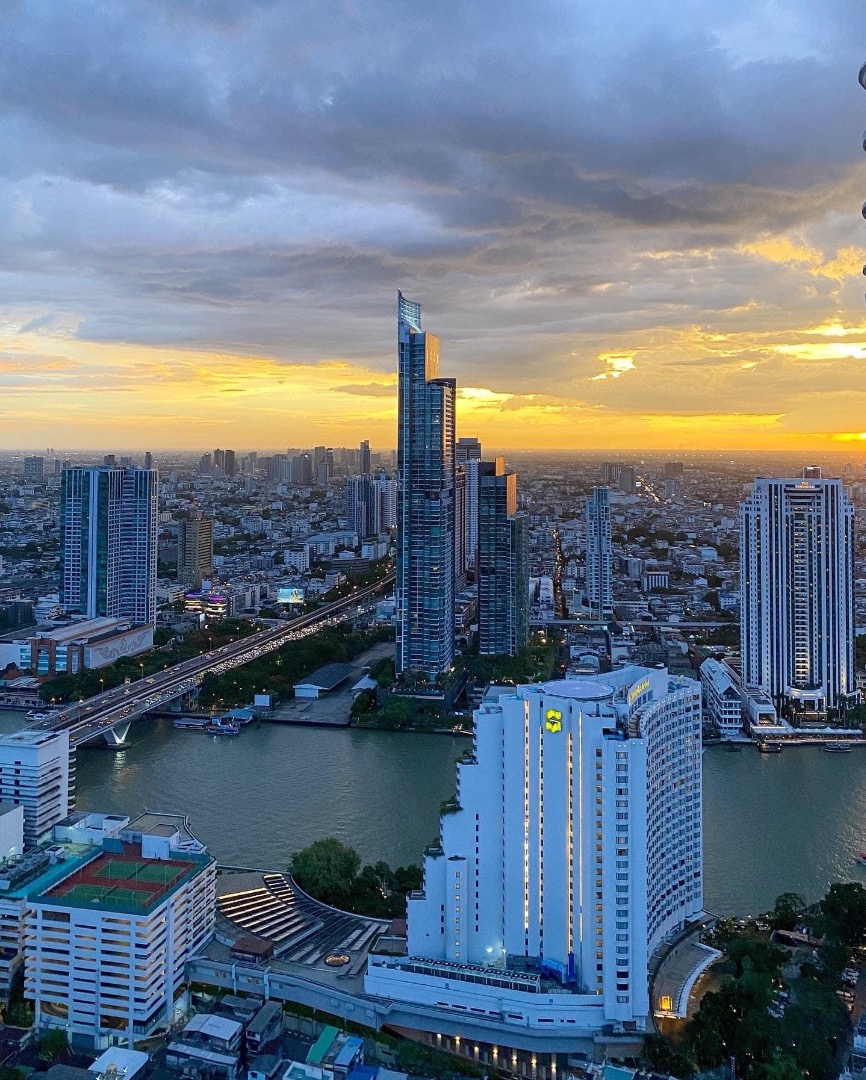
260 176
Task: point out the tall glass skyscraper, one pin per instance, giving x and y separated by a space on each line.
797 591
108 530
425 500
503 563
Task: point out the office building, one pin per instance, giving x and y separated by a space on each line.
229 465
195 549
674 470
571 852
387 488
722 697
364 458
301 470
205 465
363 505
796 592
108 530
467 449
503 566
459 526
219 460
425 501
34 469
107 943
37 772
599 556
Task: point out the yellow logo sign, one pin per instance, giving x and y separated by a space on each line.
553 720
637 690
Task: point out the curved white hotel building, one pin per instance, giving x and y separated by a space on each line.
572 851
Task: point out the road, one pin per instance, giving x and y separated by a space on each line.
96 716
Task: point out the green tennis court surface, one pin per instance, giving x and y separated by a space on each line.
108 894
154 873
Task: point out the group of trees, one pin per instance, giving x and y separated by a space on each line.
744 1018
278 671
331 871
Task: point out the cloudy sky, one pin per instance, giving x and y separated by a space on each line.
633 223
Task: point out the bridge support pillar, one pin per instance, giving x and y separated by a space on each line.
116 736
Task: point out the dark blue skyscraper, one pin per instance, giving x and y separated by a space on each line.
425 500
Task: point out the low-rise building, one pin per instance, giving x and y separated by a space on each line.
722 697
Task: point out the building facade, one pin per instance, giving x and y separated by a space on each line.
722 697
503 563
364 505
599 556
425 501
195 549
108 530
573 850
106 946
37 772
796 592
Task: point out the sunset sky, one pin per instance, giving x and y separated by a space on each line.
633 224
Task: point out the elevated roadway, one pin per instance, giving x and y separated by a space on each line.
109 714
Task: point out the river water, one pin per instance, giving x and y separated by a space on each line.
772 823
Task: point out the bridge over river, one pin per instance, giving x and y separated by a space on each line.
108 715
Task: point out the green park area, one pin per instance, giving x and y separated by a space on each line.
421 710
777 1010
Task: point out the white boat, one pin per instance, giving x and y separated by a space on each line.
837 748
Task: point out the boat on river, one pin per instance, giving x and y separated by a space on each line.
770 747
222 725
837 748
733 747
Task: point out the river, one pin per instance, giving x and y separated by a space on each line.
772 823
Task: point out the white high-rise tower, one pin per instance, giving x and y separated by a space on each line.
796 588
599 559
571 851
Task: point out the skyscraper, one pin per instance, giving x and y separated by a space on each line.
229 463
599 559
108 530
425 500
363 505
195 549
503 567
364 457
467 449
796 591
573 851
34 469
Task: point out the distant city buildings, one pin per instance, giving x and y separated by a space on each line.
572 851
425 501
796 591
108 527
599 554
503 563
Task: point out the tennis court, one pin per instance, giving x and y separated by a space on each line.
123 880
155 873
108 894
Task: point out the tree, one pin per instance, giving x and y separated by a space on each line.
787 911
755 954
782 1067
53 1046
843 913
326 870
659 1053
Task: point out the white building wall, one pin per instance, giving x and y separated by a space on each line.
577 844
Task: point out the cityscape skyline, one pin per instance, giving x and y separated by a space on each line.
652 263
